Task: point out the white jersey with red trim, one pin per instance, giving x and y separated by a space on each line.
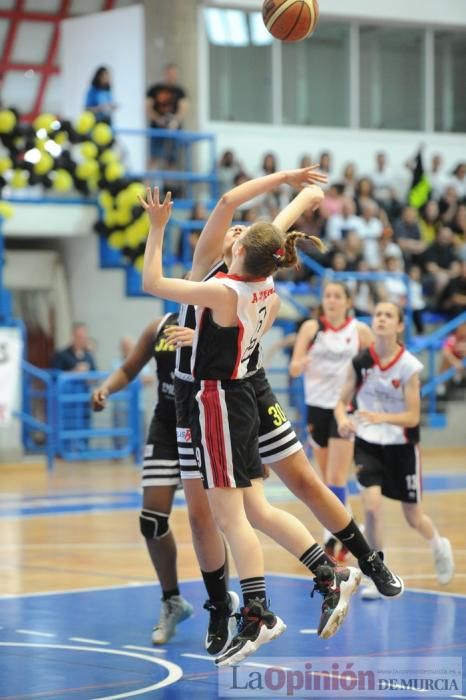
380 389
224 352
329 356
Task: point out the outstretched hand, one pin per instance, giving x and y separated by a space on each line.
179 336
305 176
159 212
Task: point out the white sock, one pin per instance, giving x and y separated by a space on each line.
327 535
436 541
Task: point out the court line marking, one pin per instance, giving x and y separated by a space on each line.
88 641
36 634
175 672
152 649
308 631
199 656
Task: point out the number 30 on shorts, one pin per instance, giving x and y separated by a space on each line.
278 414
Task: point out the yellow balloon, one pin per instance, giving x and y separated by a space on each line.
102 134
114 171
137 188
139 263
87 169
44 121
89 149
7 121
109 218
117 240
62 181
19 179
105 199
122 217
109 156
84 122
125 198
44 165
5 164
6 210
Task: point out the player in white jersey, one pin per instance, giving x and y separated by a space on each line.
236 310
323 350
384 383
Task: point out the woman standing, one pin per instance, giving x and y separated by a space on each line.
385 380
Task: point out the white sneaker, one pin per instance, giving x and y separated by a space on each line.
174 610
369 591
444 562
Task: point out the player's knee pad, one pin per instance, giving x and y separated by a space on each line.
153 525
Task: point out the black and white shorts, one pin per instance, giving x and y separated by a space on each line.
184 398
225 426
160 465
395 468
277 439
321 425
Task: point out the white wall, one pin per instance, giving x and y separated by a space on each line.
115 39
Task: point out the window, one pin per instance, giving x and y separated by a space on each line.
240 60
315 78
391 78
450 81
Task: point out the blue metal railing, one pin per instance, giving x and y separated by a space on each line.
38 435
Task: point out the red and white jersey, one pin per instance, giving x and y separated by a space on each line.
381 389
225 352
330 354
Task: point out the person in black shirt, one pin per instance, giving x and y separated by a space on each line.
76 357
166 108
161 470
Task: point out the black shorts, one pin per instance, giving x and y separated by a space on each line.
160 465
277 439
321 425
184 399
225 430
395 468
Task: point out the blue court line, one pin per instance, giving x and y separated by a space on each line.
71 502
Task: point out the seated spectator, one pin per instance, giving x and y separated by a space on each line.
325 163
365 295
458 226
349 180
352 248
440 259
408 235
332 203
338 262
393 289
458 181
388 248
99 97
437 177
383 181
417 297
453 355
364 193
339 224
305 161
453 297
428 221
228 167
77 357
370 231
448 205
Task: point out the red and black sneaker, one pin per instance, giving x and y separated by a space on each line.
336 585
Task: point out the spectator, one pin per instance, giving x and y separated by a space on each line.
393 289
76 357
349 180
436 175
408 235
382 179
339 224
228 167
333 201
269 164
429 221
388 248
364 292
448 205
305 161
417 297
99 98
352 248
453 355
453 297
371 231
440 258
166 108
338 262
458 181
364 192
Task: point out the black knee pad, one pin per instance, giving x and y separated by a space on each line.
153 525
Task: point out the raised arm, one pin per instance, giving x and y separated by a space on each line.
209 246
211 294
306 335
134 363
308 198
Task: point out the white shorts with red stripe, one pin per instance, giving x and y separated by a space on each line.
225 432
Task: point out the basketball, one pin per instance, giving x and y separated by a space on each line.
290 20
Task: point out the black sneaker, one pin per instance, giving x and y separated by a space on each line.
257 626
222 623
337 586
389 585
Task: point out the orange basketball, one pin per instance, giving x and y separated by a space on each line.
290 20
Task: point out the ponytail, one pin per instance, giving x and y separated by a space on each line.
289 255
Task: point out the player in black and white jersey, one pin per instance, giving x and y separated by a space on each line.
383 381
233 312
322 353
161 470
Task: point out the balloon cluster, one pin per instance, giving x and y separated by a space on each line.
79 157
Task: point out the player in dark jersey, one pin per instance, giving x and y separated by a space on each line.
161 471
233 312
384 383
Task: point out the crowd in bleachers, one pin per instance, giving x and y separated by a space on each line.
371 223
